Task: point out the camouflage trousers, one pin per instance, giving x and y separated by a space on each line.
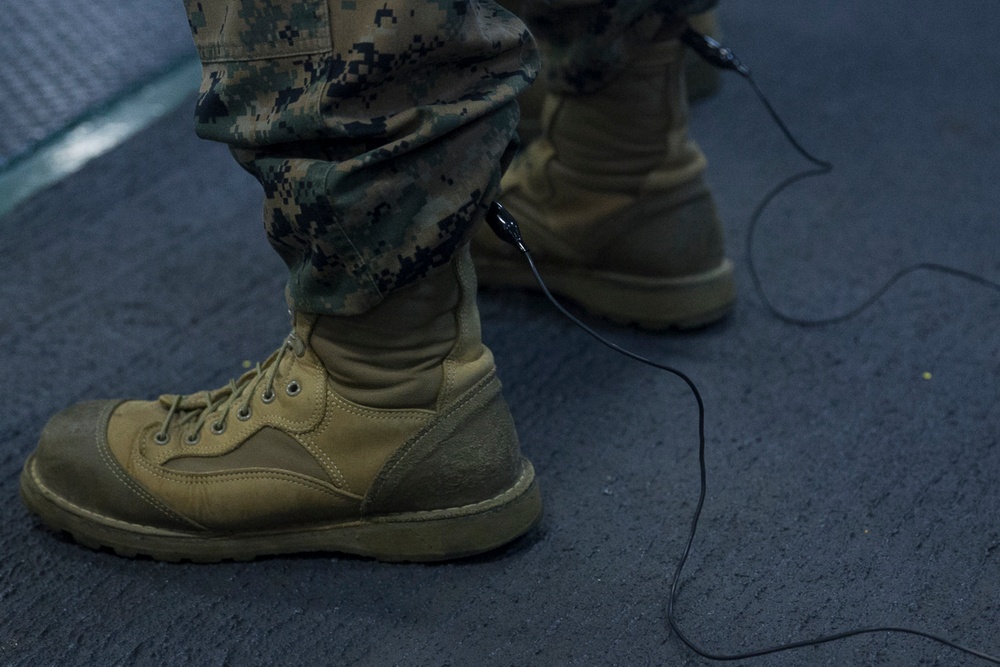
379 129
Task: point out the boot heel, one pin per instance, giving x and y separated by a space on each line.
452 533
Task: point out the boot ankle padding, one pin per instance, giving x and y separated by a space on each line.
469 454
419 348
391 356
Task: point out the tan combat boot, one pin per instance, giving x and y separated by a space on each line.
383 435
612 204
702 80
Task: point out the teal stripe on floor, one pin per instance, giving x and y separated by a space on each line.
96 133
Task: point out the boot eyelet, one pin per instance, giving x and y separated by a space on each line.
219 427
161 438
243 413
293 388
268 396
192 439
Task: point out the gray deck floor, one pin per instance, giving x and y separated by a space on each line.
845 488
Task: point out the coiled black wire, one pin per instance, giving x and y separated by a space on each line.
506 227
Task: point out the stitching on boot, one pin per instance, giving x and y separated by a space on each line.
449 362
417 416
450 365
317 452
486 504
319 405
205 478
403 453
104 450
278 475
376 413
101 518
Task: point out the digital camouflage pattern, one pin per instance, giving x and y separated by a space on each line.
379 130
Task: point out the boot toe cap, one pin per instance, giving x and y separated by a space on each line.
74 476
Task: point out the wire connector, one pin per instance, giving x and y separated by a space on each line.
713 52
505 227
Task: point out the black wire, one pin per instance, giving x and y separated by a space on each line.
703 487
822 167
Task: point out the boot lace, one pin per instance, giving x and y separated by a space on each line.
195 409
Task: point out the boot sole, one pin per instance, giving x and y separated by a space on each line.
424 536
687 302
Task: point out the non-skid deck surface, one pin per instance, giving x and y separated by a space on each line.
845 488
60 59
